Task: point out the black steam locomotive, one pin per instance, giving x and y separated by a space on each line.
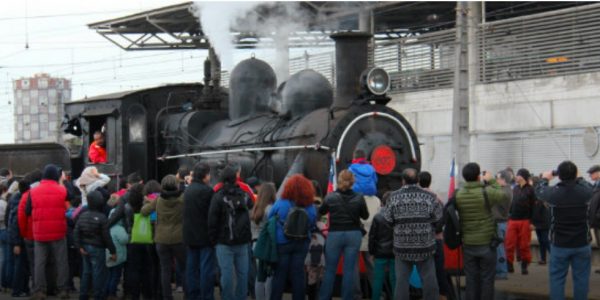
272 131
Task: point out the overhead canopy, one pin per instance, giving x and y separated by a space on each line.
176 26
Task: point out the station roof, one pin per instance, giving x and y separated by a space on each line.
177 27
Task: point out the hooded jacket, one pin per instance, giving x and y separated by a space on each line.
345 209
48 207
197 199
120 238
365 177
169 211
92 226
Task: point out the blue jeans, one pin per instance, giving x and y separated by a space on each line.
114 277
290 265
346 243
6 260
230 258
21 273
94 272
544 242
501 267
580 260
200 273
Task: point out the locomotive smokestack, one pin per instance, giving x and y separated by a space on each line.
351 50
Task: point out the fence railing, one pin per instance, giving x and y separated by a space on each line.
561 42
554 43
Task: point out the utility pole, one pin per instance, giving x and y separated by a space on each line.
460 107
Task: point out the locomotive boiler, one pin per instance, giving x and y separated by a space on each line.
301 125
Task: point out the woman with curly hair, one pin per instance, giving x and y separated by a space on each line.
298 191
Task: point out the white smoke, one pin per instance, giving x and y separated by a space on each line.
267 19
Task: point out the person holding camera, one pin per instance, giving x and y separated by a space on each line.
479 229
569 230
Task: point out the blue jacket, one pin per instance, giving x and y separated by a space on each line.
14 236
281 209
365 178
120 238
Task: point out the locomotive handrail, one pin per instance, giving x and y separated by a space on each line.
253 149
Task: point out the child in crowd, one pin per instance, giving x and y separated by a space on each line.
92 238
120 239
381 246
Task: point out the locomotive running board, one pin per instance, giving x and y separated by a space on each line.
253 149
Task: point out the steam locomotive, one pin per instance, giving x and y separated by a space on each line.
300 126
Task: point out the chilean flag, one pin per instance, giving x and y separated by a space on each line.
331 184
452 185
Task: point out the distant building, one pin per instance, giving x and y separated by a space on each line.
38 107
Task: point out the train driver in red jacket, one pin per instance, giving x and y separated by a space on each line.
97 152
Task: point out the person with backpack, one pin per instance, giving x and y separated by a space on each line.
201 260
473 202
345 208
229 230
92 237
168 233
296 216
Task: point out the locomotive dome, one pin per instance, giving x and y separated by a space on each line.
306 91
251 85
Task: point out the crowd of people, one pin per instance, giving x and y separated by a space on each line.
244 239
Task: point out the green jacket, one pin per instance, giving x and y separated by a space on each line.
169 217
476 222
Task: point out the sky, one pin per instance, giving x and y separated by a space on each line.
59 43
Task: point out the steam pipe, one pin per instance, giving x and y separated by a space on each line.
256 149
351 51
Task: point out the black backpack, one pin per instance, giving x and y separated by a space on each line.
297 224
237 208
452 230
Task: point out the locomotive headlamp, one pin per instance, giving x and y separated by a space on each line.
377 81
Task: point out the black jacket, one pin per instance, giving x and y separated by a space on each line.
345 210
197 200
541 216
92 226
594 213
229 226
381 238
568 202
523 202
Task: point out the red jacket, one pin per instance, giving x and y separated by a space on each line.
25 222
48 211
97 154
246 188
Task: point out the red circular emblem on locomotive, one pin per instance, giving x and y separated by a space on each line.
383 159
